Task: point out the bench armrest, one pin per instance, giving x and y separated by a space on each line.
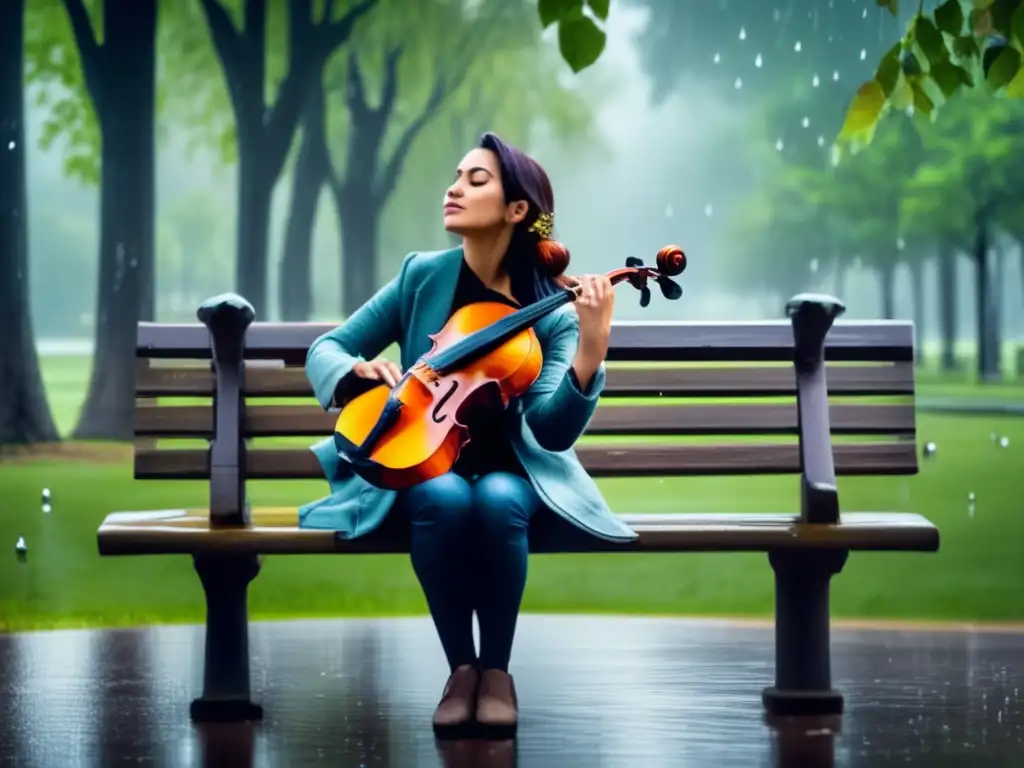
812 316
227 317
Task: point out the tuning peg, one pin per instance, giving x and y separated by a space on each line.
645 296
669 289
633 261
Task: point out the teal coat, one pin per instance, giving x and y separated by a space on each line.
542 425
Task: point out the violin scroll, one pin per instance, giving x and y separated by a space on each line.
671 260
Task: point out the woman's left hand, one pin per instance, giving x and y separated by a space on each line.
594 307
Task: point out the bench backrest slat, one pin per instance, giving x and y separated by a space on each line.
892 458
885 340
278 380
734 413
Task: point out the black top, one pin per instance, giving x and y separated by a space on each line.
488 449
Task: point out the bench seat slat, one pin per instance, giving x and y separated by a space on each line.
712 381
310 420
881 340
868 458
274 531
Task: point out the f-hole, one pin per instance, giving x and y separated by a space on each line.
440 403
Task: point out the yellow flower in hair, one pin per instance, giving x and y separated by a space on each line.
543 225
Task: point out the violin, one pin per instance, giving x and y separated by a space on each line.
484 356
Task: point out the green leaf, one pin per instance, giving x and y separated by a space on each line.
551 11
888 71
1003 66
949 17
864 110
1017 25
600 8
1015 88
581 41
946 77
931 41
922 103
892 5
903 95
966 47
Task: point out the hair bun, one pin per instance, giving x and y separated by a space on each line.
552 257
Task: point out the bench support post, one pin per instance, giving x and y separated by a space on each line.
803 666
226 694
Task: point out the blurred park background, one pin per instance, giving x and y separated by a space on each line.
294 151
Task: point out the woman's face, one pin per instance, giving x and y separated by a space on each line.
475 201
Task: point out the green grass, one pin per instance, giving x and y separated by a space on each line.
977 575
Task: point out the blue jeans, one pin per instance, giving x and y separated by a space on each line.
469 548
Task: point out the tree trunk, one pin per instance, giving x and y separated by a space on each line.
917 289
988 364
948 305
887 287
360 223
24 412
125 106
256 180
311 169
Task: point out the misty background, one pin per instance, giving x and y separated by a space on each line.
655 165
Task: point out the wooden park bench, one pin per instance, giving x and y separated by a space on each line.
760 363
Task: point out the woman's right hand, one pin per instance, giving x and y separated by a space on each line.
378 370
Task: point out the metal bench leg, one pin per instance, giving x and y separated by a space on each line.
226 694
803 669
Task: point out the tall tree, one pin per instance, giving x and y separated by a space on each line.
24 412
119 70
401 76
264 132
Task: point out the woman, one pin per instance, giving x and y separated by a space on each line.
469 527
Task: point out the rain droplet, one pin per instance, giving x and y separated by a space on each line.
835 155
930 449
717 58
776 14
797 47
668 212
864 13
47 509
821 141
758 61
835 75
805 122
46 495
10 145
743 33
970 496
739 83
863 54
900 244
1004 442
708 210
21 549
779 145
814 265
815 81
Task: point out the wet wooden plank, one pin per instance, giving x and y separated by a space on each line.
881 340
718 381
310 420
869 458
275 531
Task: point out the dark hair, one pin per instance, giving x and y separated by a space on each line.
533 262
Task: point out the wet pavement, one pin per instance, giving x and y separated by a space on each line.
602 692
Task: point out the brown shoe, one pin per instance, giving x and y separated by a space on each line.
454 713
497 707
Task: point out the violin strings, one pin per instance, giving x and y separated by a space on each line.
496 332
